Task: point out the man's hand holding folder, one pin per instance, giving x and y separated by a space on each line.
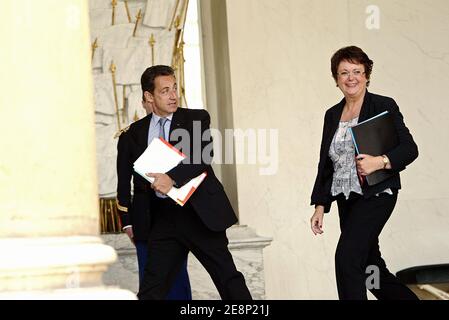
159 158
162 183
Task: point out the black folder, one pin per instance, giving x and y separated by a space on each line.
375 136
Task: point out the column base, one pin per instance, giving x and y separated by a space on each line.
56 267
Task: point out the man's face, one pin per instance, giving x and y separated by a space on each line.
165 96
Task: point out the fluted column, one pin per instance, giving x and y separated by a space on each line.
49 230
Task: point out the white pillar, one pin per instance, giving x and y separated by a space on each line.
49 227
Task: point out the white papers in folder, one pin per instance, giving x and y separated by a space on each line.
160 157
181 195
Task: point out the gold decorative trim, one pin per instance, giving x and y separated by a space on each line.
127 11
109 217
174 15
118 133
138 18
94 47
121 208
114 4
113 69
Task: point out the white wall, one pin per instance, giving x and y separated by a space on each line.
280 75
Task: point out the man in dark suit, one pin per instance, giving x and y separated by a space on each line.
134 210
200 225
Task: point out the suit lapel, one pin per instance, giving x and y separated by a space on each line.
365 111
335 120
142 135
177 122
336 116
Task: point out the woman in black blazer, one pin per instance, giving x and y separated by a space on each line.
363 209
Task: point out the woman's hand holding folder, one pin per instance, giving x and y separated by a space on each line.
367 164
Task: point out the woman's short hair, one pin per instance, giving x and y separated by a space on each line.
351 54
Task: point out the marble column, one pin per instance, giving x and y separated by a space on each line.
49 228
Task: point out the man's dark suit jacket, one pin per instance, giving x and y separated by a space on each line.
401 156
209 200
133 209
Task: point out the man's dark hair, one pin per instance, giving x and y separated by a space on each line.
148 77
354 55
